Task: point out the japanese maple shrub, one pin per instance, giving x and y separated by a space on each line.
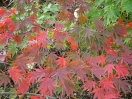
66 49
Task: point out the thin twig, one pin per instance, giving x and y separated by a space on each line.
30 94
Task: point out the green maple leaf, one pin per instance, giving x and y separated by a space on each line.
127 6
111 14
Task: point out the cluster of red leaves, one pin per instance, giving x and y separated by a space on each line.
104 75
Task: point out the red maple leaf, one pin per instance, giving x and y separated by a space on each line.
31 19
68 87
23 86
38 58
36 75
127 58
121 84
41 38
51 59
122 70
47 86
22 61
89 85
58 26
32 50
81 72
111 52
98 71
36 27
112 96
99 93
101 59
124 85
107 84
67 84
59 36
79 68
109 68
15 74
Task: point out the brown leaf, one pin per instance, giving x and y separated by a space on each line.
4 79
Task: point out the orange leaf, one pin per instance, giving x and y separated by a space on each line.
61 62
130 24
74 46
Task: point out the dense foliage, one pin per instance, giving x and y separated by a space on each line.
66 49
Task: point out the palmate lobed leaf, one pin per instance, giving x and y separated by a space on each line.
98 93
22 61
122 70
120 30
61 62
89 85
16 74
35 75
59 35
108 85
127 58
4 79
121 84
47 86
109 69
126 6
23 86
